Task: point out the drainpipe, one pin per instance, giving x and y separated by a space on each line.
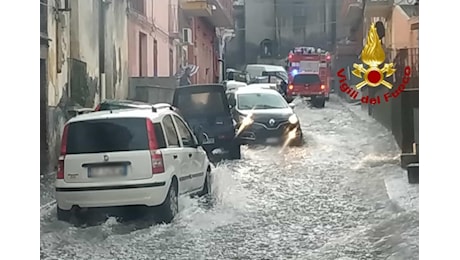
224 36
102 28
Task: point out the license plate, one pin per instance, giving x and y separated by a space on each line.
101 172
307 98
272 140
209 141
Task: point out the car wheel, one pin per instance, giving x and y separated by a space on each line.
207 184
299 141
319 102
63 215
235 152
170 207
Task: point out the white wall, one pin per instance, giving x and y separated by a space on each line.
75 35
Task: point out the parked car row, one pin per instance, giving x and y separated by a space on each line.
130 153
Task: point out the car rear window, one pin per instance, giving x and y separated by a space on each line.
110 135
306 79
202 103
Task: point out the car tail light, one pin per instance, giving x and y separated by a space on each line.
323 87
60 172
98 108
291 87
155 153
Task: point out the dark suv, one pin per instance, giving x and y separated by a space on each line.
206 110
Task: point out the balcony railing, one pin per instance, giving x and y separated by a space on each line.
383 2
378 8
407 57
218 12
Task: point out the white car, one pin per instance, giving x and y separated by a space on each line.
233 85
257 70
264 85
132 157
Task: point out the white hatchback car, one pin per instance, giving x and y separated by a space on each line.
132 157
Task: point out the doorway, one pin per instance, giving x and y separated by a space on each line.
43 118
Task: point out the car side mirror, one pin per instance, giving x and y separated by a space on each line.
199 137
292 105
187 142
231 103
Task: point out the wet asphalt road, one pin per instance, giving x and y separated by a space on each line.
330 199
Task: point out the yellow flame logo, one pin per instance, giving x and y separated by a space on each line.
373 55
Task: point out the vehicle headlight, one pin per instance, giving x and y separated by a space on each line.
293 119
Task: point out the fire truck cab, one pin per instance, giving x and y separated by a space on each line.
309 60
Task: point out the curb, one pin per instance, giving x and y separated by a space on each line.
398 188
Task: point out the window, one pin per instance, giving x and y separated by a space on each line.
43 16
171 62
142 54
298 22
155 58
107 135
306 79
138 6
170 130
161 142
266 48
187 137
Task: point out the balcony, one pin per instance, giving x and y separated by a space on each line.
222 15
348 49
196 8
352 11
217 12
378 8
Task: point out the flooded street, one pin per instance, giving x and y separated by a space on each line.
340 196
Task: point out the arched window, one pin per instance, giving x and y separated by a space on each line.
266 48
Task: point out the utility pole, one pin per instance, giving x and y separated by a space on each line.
224 35
276 48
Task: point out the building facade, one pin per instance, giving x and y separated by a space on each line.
151 33
400 42
86 61
284 25
235 50
402 21
44 44
204 19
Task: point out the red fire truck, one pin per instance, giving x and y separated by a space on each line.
309 60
